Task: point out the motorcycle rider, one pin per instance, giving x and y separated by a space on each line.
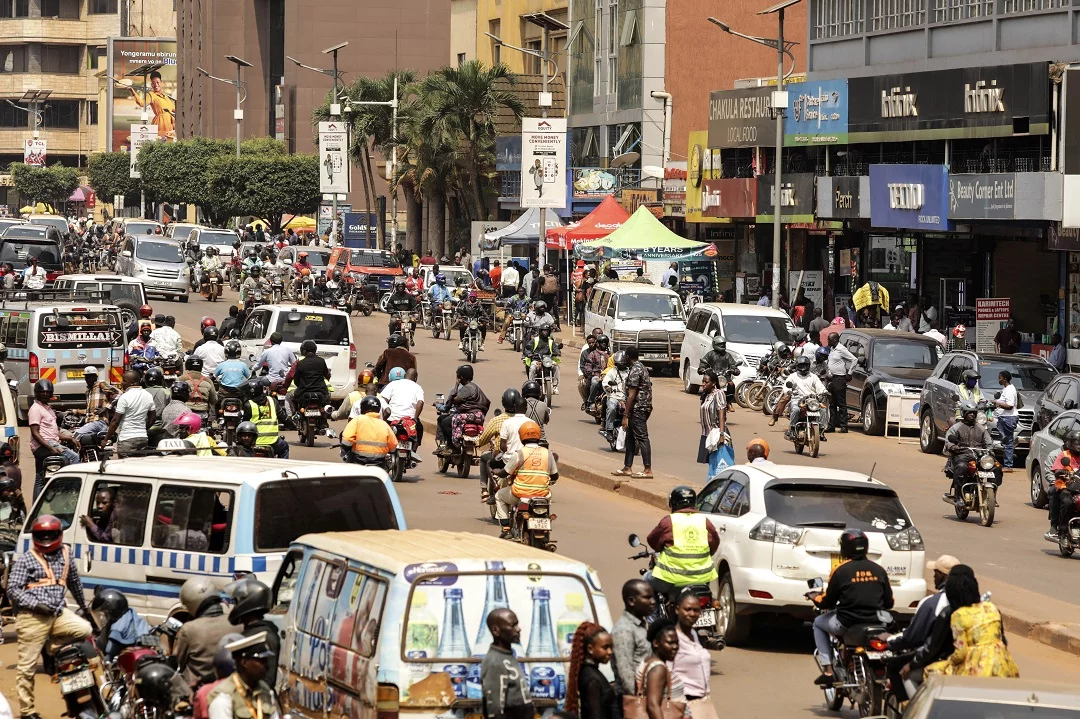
367 435
539 317
438 291
465 401
491 437
122 625
154 383
246 693
179 396
308 376
233 372
204 396
251 604
583 380
211 352
1060 498
188 426
251 261
803 384
98 393
36 587
530 472
595 364
138 345
962 435
401 301
262 411
364 379
914 648
275 359
821 363
968 389
468 310
615 386
254 282
405 399
719 360
246 435
518 302
167 340
334 285
684 542
209 265
396 354
536 408
540 346
197 641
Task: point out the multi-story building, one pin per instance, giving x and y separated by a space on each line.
463 31
503 19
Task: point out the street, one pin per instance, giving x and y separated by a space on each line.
1010 559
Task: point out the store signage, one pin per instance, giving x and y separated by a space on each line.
796 197
913 197
730 197
982 197
675 178
361 229
699 167
1063 239
842 198
973 102
543 162
991 314
818 114
741 118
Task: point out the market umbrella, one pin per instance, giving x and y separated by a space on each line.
78 195
608 216
524 230
298 223
644 237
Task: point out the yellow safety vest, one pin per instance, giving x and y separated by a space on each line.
975 395
532 478
265 419
688 560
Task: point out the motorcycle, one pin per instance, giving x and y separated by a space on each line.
255 297
598 408
78 683
530 517
313 418
121 689
806 433
442 320
1069 540
303 290
232 414
516 331
470 343
277 290
981 477
211 286
859 660
402 458
463 455
546 375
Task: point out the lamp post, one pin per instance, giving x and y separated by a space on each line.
241 92
779 104
393 105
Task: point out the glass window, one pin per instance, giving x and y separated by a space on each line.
311 596
1056 391
375 258
140 228
13 59
1027 376
60 59
757 329
192 519
117 513
285 582
357 613
159 252
20 251
645 306
324 329
103 7
613 305
1063 425
255 327
698 320
871 509
91 112
907 355
60 499
124 291
710 496
731 494
713 328
288 509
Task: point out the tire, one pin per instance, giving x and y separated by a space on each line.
834 700
397 468
961 512
871 422
871 702
129 312
929 442
547 392
740 394
1065 549
987 507
734 629
309 435
1039 500
772 399
464 468
814 437
472 356
184 299
367 310
517 345
755 397
688 386
798 448
444 465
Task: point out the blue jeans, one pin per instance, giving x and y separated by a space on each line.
826 625
1007 427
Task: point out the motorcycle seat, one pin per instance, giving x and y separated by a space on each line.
859 635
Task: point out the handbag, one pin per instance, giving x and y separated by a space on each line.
620 439
713 440
703 708
634 707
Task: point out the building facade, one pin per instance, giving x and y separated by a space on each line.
463 31
502 18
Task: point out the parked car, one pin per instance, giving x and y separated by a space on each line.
6 222
959 697
647 316
319 257
21 242
750 331
780 525
1031 375
60 223
180 231
890 362
158 262
1061 394
1044 448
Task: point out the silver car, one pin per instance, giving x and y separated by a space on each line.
956 697
158 262
1046 444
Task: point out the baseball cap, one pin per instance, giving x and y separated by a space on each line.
943 564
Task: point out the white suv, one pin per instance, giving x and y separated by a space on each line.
780 525
750 331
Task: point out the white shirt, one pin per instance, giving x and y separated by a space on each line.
510 277
402 395
167 341
805 386
355 412
936 335
665 281
619 378
509 432
133 405
1008 396
925 318
212 354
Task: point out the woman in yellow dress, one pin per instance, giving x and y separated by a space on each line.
978 634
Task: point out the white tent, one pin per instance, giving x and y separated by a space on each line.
523 230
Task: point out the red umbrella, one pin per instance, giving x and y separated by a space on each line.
601 222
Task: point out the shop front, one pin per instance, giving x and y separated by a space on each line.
845 200
734 200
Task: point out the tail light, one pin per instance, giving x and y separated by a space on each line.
51 276
35 368
705 601
387 702
971 466
878 645
352 356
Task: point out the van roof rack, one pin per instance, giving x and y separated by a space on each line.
34 298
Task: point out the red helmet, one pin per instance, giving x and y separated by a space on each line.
48 533
208 322
146 311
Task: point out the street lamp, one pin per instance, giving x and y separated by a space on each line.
238 114
393 104
34 98
779 104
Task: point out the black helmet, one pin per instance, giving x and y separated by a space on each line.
247 428
1072 441
181 391
784 352
531 390
465 372
681 497
251 597
110 602
370 404
308 346
8 484
853 544
153 682
337 275
968 411
193 363
394 340
603 342
621 360
154 377
43 385
802 365
232 349
255 388
210 334
511 400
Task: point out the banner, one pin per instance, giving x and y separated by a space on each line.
143 75
333 157
707 251
140 135
913 197
741 118
991 314
818 114
543 162
34 153
982 196
326 215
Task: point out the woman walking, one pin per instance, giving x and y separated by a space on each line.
978 634
693 663
588 692
713 412
653 681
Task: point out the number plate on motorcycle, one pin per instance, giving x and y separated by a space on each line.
654 356
232 414
983 474
537 523
707 618
83 679
813 414
312 413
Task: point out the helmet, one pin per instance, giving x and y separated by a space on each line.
394 340
621 360
337 275
7 454
853 544
301 255
465 371
399 283
308 346
255 270
8 484
252 599
193 364
247 429
603 342
799 335
972 375
967 407
529 431
154 684
681 497
181 391
396 374
511 400
761 443
821 354
43 385
232 349
256 388
719 343
777 346
110 602
540 306
545 330
48 533
440 279
190 420
802 365
154 377
785 352
146 311
472 296
531 390
370 404
208 322
365 377
959 330
210 334
197 590
305 272
1072 441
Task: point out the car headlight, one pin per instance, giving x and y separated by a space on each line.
987 461
907 540
139 267
769 530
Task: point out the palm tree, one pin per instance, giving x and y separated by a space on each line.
427 170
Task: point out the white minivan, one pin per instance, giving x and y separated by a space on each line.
750 330
639 314
330 328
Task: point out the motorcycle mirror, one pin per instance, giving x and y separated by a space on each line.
1065 462
789 384
815 583
634 540
997 395
955 397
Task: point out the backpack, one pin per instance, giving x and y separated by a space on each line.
551 284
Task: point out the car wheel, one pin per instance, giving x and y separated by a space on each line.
688 386
1038 492
733 628
929 442
871 422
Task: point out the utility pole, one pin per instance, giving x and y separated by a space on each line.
542 248
393 169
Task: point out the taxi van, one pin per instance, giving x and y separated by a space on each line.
177 517
394 623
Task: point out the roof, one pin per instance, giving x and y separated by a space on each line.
892 334
528 89
1018 358
394 550
743 309
640 287
307 308
101 278
1023 691
226 470
608 216
809 473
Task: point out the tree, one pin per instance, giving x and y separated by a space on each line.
109 175
44 184
264 186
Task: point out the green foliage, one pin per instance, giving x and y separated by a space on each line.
261 146
264 186
109 175
177 171
44 184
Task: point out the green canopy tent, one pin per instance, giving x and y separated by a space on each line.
646 238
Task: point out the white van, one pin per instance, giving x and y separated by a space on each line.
750 330
178 517
397 621
330 328
639 314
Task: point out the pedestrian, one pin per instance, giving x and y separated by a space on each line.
1007 340
1007 416
693 663
549 292
504 684
511 277
588 692
927 315
662 690
636 418
713 426
133 416
45 434
534 283
670 278
495 276
980 648
841 362
935 333
817 324
1057 352
629 636
641 278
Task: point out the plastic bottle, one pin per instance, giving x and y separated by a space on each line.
546 680
568 623
454 643
494 598
421 638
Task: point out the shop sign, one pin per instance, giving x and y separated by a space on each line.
982 196
913 197
592 183
675 191
361 229
813 284
840 197
1064 239
818 114
796 197
741 118
699 167
730 197
633 198
972 102
991 314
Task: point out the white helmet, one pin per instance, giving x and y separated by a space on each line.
195 591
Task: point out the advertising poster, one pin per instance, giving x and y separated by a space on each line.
140 135
813 285
818 113
543 162
991 314
326 215
333 157
142 74
35 152
699 168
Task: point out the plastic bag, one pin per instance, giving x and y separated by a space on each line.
620 440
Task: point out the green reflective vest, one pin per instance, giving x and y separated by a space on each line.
265 419
688 560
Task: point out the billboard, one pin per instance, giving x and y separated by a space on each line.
142 74
543 162
334 157
34 153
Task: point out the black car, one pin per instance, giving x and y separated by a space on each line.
1061 394
889 362
21 242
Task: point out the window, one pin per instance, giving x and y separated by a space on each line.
533 62
380 258
357 613
15 252
159 252
95 57
124 292
12 116
285 582
13 59
1062 426
324 329
1013 6
60 499
14 8
192 519
460 59
103 7
495 28
62 59
713 328
1056 391
63 9
733 498
320 586
16 331
710 496
837 18
895 14
613 47
92 112
613 306
255 328
598 46
1028 376
118 513
698 320
954 10
60 114
650 306
869 508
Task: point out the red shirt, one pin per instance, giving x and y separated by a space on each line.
495 276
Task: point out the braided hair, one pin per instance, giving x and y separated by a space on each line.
583 637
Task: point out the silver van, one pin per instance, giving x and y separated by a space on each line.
159 263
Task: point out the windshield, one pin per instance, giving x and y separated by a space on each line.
25 230
180 232
455 277
324 329
23 250
58 222
757 329
80 329
871 509
975 709
140 228
317 258
907 355
1025 376
159 252
124 291
287 510
4 224
649 306
373 258
217 239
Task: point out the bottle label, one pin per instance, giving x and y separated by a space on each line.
458 676
546 683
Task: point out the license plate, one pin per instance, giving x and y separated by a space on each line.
983 474
536 523
74 374
707 618
405 446
654 356
231 414
77 681
837 560
312 413
877 655
813 414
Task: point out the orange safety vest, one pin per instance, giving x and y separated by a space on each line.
532 478
50 578
370 436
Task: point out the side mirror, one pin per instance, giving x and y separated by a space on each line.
634 540
126 253
955 397
1065 462
815 583
1069 404
862 360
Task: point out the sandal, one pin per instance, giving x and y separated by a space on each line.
642 475
622 473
